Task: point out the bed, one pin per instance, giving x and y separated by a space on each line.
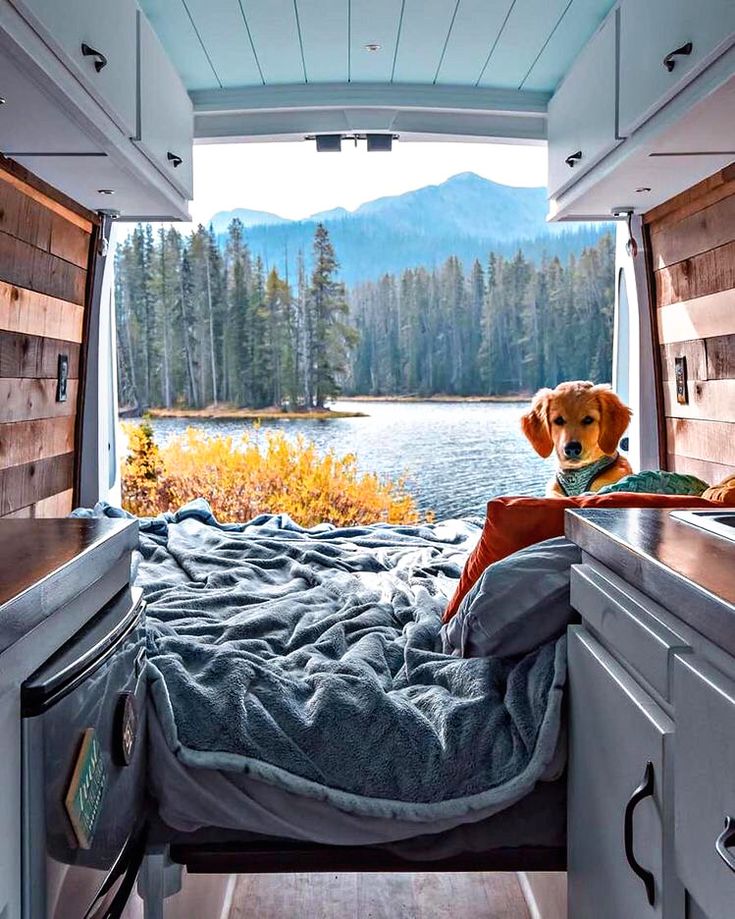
303 710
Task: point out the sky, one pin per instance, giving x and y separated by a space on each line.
294 181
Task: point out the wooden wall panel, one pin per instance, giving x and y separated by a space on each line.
45 243
693 258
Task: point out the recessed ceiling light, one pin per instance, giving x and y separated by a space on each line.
373 46
643 188
105 191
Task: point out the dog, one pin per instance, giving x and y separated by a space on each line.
583 424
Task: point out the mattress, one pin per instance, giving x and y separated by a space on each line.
230 804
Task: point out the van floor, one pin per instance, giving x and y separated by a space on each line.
379 896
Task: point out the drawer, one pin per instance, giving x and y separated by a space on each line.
166 115
626 622
650 30
704 782
583 111
107 26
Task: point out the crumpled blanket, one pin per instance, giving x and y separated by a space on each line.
311 659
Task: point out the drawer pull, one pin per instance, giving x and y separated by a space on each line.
684 51
644 790
100 61
573 159
174 159
724 841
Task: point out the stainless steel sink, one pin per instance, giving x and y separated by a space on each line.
719 523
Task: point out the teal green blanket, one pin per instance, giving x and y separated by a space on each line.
311 660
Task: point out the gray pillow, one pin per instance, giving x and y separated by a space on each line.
517 604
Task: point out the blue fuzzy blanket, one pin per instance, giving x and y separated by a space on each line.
311 659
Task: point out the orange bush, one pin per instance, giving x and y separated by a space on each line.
257 474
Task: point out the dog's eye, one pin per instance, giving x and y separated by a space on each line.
559 420
588 419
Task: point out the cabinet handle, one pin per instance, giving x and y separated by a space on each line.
644 790
573 159
174 159
724 840
100 60
684 51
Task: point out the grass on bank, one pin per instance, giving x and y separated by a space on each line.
232 413
258 473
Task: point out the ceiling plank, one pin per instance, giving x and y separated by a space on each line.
178 36
373 21
526 30
222 29
275 33
476 28
424 32
577 26
325 39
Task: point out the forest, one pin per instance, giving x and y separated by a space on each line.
200 321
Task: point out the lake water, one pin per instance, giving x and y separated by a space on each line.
455 456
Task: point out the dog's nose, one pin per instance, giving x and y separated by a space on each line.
573 449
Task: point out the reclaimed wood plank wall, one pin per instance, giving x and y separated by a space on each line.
692 239
45 246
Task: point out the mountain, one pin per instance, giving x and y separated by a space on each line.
222 219
467 216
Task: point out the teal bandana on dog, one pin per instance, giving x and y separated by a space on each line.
577 481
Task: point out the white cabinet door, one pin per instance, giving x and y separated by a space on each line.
166 116
31 121
75 29
582 112
704 763
615 732
651 34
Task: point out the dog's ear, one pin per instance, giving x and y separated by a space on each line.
535 426
614 419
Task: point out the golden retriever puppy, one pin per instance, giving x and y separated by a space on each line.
583 424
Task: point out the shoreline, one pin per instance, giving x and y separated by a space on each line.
246 414
513 397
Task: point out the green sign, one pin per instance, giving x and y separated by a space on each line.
86 789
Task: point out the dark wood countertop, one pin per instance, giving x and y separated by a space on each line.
44 563
683 568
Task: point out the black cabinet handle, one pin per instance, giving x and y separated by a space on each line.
724 841
573 159
684 51
644 790
100 60
174 159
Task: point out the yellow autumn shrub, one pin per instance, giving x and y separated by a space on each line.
258 473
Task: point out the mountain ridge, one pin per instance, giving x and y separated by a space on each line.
466 215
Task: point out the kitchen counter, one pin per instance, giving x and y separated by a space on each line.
47 563
683 568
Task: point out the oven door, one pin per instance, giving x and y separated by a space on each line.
83 770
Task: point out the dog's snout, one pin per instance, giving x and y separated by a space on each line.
573 449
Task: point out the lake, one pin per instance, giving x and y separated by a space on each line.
455 456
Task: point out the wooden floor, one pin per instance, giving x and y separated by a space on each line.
379 896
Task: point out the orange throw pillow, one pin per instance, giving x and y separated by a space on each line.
514 523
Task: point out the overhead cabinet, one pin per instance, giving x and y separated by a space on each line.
97 42
663 45
95 107
583 111
166 116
